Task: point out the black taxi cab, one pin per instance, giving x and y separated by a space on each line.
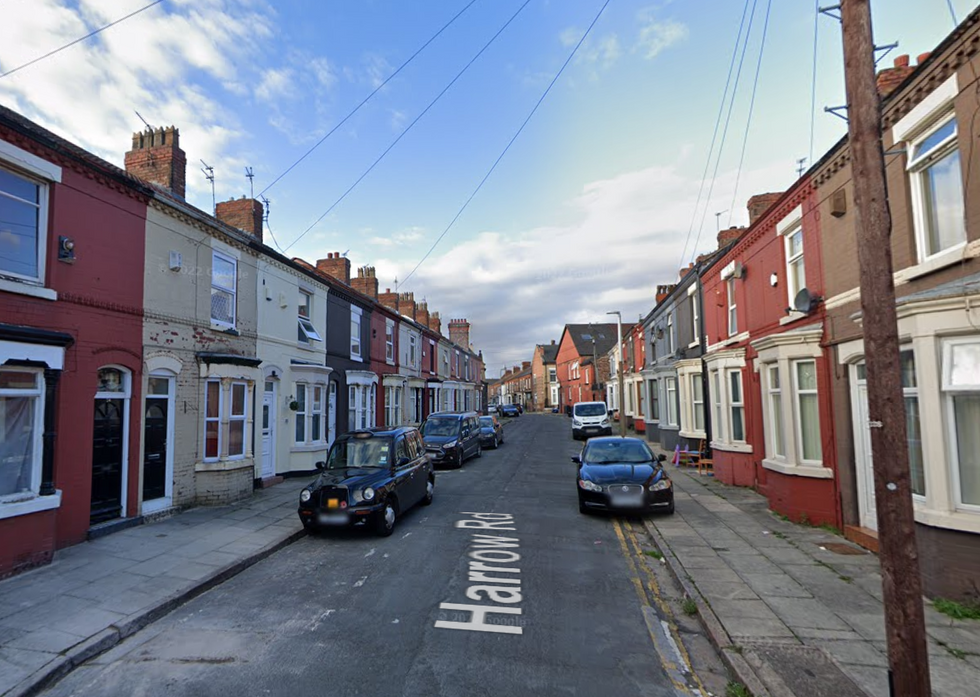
370 478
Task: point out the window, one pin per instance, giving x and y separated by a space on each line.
21 419
224 282
671 344
317 430
775 396
445 362
913 429
671 388
655 400
552 375
807 410
795 272
300 412
732 309
719 402
23 226
393 405
212 420
389 341
456 363
736 404
937 189
412 351
697 401
961 388
355 333
352 409
236 420
695 314
307 332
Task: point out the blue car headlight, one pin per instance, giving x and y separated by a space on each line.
662 485
589 486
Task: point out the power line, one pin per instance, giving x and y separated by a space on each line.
510 143
87 36
367 98
748 122
711 149
724 132
411 125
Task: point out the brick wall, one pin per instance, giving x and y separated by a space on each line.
216 488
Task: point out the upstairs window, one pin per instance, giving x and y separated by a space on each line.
732 308
224 284
389 341
355 333
307 332
412 351
671 344
795 271
23 227
937 189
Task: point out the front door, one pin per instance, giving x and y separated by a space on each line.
269 430
107 460
862 448
155 450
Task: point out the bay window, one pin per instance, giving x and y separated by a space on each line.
961 394
807 410
21 420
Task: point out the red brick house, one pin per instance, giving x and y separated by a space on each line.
72 234
583 362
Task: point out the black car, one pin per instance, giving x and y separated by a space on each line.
622 474
451 437
510 410
491 431
370 477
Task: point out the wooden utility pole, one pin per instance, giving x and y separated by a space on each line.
908 657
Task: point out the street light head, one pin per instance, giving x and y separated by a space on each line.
614 312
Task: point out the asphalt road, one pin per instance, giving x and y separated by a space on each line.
352 614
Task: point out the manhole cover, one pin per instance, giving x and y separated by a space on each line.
842 548
806 670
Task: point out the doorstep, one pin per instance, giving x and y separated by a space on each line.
866 537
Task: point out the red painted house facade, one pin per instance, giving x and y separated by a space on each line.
72 236
768 371
583 362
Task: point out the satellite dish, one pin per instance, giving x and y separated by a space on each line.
805 301
660 333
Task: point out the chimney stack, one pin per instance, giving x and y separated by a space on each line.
525 365
726 237
406 304
459 332
156 157
760 203
435 322
389 299
890 78
663 291
243 213
686 270
366 282
422 313
335 265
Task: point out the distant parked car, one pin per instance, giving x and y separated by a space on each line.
491 431
452 437
510 410
370 477
622 474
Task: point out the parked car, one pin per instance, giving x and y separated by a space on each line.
622 474
590 419
510 410
370 477
451 438
491 431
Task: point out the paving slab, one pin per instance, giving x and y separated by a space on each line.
775 585
805 612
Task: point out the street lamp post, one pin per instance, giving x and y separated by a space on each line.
619 366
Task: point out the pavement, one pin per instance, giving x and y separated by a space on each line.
94 594
794 609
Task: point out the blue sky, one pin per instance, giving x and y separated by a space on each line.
588 211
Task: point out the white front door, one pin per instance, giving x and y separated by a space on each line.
269 430
864 464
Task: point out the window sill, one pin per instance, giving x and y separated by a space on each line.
225 329
35 504
950 257
309 447
357 358
670 427
793 316
731 447
812 471
692 434
24 288
961 520
226 465
694 344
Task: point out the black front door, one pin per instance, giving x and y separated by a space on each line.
155 450
107 464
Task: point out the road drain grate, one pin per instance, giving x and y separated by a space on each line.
806 670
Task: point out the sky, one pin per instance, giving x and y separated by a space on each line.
540 178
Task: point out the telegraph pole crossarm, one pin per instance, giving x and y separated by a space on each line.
908 656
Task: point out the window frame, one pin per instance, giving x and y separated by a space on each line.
390 341
775 414
41 229
238 418
732 306
216 418
917 169
233 291
37 394
948 391
307 332
797 393
356 343
733 404
794 284
670 387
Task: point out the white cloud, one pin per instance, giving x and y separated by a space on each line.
655 36
521 289
600 54
275 83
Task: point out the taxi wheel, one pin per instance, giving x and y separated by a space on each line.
429 490
384 523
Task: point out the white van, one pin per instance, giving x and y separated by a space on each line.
590 419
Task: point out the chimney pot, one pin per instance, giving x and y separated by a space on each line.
923 57
902 61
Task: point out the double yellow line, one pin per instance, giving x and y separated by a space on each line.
648 592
